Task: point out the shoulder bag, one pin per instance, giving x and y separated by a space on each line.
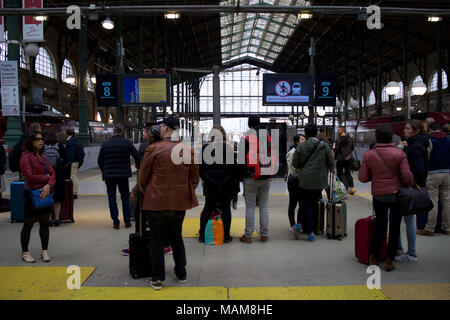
38 202
411 200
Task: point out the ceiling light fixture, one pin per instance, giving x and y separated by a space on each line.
434 19
305 15
108 24
172 15
70 79
40 18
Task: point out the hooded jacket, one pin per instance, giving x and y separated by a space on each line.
440 155
314 171
417 154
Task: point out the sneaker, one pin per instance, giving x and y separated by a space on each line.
245 239
44 256
389 265
126 252
312 237
227 239
291 229
157 285
26 256
424 232
351 191
180 280
56 223
50 223
116 227
264 239
406 258
168 250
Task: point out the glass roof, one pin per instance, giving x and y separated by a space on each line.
258 35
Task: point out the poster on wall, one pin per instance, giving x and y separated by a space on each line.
10 88
32 30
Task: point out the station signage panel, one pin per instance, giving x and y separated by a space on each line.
326 88
145 89
287 89
106 90
10 88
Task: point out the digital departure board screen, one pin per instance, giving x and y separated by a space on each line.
151 90
287 89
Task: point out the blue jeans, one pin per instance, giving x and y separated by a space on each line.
410 222
124 189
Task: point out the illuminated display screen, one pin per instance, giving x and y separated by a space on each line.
146 89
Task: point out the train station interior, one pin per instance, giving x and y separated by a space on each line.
90 65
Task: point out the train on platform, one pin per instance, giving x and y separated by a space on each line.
49 118
363 130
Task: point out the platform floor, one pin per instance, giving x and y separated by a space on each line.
280 269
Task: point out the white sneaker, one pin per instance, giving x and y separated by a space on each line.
26 256
291 229
406 258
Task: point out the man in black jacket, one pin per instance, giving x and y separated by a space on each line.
114 161
75 155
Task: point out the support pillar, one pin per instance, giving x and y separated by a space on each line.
406 84
379 72
83 135
439 65
14 26
216 96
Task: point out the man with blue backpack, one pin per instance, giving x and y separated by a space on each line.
75 153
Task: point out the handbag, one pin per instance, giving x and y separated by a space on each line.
37 201
411 200
214 233
356 164
339 191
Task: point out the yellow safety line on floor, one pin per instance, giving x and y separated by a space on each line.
307 293
37 283
423 291
50 283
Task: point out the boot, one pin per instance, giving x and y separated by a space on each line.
26 256
352 191
373 261
44 256
389 265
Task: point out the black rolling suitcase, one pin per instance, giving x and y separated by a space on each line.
140 258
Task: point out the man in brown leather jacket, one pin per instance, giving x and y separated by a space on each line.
169 190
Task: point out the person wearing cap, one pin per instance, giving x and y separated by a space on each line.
169 190
114 162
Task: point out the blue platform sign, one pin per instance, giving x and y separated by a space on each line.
106 90
326 86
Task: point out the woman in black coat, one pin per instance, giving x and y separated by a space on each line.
220 182
417 153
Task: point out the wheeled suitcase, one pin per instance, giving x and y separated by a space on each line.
336 220
140 262
319 218
17 201
67 206
364 232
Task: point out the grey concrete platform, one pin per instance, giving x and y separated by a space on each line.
282 261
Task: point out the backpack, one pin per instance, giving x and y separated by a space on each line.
253 160
14 157
52 154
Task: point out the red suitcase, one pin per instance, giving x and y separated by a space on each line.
67 205
364 231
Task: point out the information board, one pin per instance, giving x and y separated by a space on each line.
326 85
10 88
287 89
150 90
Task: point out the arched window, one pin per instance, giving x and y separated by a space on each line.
416 79
371 101
399 95
434 81
44 64
67 69
4 53
89 84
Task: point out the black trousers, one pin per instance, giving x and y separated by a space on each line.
309 200
160 223
211 204
344 172
294 199
381 225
